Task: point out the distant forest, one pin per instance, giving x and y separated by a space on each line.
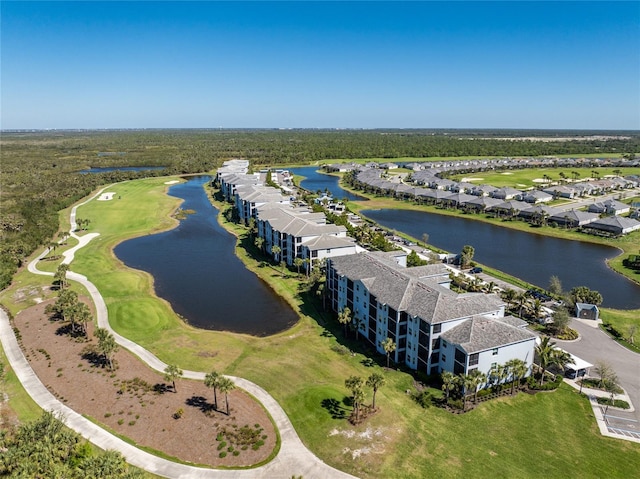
40 169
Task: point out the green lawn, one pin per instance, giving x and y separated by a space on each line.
524 178
526 436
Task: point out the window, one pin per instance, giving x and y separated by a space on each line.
495 352
444 358
473 359
444 344
437 328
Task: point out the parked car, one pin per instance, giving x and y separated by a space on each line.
475 270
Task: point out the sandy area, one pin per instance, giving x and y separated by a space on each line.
539 180
136 402
506 173
106 196
469 180
172 182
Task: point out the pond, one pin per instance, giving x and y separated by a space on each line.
531 257
196 270
317 181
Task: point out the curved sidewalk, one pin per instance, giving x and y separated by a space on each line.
293 459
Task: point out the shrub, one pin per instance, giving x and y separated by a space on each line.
222 445
120 422
223 454
423 398
178 414
616 402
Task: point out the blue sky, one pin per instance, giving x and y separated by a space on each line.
320 65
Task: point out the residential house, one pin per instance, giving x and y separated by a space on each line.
609 207
617 225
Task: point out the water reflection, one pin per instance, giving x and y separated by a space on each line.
534 258
195 269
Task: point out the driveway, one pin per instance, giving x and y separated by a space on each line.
595 345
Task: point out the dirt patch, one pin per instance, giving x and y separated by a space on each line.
136 402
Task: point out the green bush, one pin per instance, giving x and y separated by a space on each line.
616 402
424 398
222 454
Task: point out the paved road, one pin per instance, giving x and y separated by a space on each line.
595 345
292 459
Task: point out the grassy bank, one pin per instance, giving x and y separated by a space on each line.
302 368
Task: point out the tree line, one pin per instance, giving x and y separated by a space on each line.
41 170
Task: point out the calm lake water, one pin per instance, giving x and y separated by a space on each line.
196 270
532 257
317 181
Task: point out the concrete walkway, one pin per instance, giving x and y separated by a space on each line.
293 458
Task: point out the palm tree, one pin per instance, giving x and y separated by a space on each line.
61 275
389 346
357 324
276 250
259 242
509 295
355 384
171 373
467 383
375 382
252 226
297 262
477 377
448 383
549 355
344 317
536 309
212 380
106 344
226 385
497 374
80 315
517 369
521 300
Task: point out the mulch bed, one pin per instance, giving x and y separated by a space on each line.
136 402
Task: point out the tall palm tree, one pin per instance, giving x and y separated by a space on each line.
276 250
344 318
509 295
226 385
467 382
259 242
477 378
355 384
549 355
212 380
375 382
448 383
517 369
389 346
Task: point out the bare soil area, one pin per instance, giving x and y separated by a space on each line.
135 401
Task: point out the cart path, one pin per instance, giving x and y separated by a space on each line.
292 459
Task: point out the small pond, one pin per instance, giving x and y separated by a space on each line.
315 180
195 268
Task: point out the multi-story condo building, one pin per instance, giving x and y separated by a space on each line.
433 327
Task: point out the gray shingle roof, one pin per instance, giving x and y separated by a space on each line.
403 290
481 333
